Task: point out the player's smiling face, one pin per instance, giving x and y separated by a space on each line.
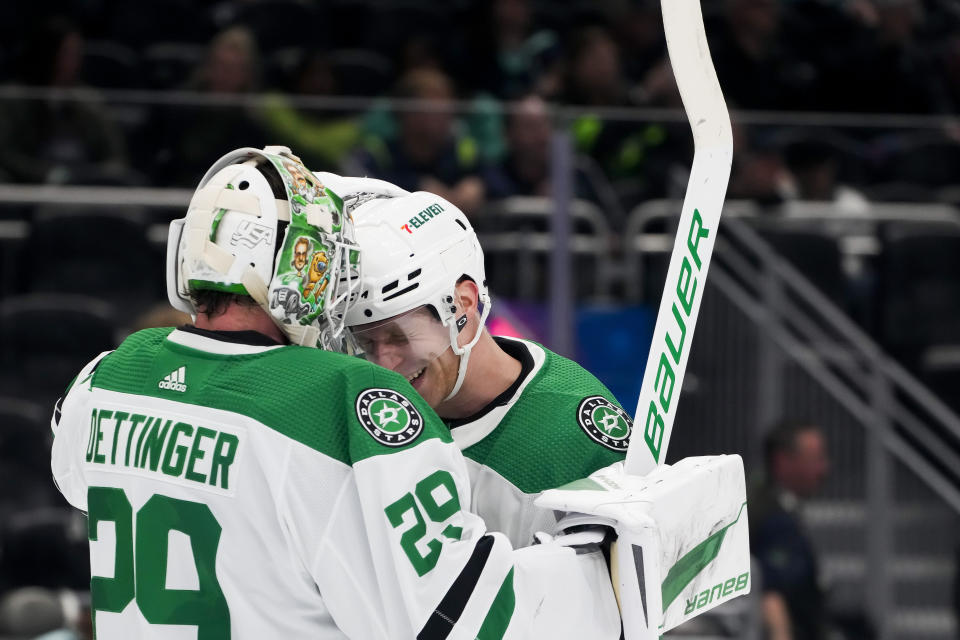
438 377
417 346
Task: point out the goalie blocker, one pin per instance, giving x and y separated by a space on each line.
682 546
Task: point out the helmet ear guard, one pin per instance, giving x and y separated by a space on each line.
455 327
230 240
175 296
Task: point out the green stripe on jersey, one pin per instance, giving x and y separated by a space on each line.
500 613
305 394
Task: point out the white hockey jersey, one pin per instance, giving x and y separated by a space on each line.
240 490
556 424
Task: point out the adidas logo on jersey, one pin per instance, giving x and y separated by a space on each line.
175 380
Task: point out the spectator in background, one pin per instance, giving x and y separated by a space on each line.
637 157
323 138
756 62
637 26
189 134
796 466
232 64
950 66
759 171
893 71
525 171
815 167
426 154
420 51
594 74
57 140
508 56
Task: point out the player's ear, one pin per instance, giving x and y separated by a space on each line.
467 297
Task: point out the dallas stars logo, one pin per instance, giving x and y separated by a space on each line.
605 422
389 417
387 414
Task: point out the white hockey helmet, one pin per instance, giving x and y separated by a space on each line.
416 248
358 191
261 224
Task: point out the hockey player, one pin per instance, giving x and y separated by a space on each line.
240 485
526 419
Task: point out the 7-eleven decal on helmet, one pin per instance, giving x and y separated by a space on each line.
175 380
389 417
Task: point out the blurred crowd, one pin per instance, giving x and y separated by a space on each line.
492 73
460 98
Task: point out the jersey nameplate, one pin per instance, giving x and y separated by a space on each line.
389 417
163 447
605 422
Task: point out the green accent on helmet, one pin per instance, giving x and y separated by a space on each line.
298 199
217 219
312 277
210 285
309 257
336 200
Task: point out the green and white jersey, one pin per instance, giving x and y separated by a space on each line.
241 490
557 423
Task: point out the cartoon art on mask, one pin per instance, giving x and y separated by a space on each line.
289 301
315 212
307 190
317 276
300 250
304 288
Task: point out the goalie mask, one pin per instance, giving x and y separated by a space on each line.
262 225
417 247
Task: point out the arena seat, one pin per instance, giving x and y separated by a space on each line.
47 338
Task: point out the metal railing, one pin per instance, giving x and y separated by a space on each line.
358 104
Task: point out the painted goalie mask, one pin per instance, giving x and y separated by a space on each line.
261 224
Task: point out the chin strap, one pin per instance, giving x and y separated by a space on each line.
464 351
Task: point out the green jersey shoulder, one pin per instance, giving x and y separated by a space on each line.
340 406
558 423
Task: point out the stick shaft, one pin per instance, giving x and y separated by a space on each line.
696 233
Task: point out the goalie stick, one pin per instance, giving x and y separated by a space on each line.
682 543
696 233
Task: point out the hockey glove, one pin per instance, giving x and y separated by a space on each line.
682 546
